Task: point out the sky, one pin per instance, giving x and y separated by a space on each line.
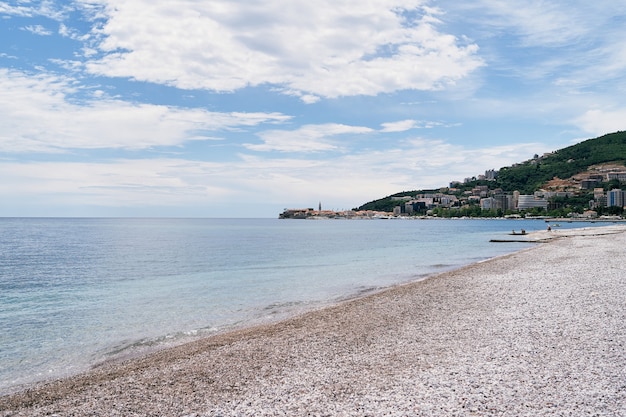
226 108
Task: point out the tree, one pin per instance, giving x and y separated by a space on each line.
612 185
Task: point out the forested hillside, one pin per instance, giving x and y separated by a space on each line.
531 175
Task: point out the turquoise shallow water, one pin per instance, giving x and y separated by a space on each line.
76 292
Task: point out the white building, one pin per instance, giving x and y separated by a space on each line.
487 203
615 198
526 202
620 176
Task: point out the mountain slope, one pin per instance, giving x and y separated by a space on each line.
532 175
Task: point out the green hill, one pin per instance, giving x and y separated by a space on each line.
532 175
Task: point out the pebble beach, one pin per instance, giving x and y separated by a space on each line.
541 332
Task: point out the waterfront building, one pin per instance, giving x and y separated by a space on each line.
504 202
526 202
487 203
615 198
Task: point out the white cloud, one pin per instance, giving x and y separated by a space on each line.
309 98
317 49
427 163
72 33
306 98
400 126
573 45
36 116
7 9
45 8
602 67
542 23
307 138
599 122
37 30
115 183
344 181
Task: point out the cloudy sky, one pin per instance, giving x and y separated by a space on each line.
228 108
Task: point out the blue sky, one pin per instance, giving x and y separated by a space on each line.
240 109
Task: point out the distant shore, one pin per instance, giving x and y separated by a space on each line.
539 332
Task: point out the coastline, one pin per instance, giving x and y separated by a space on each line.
514 335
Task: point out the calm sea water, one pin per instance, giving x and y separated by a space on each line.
76 292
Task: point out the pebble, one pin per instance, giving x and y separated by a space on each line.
541 332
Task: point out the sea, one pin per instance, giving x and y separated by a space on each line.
78 292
